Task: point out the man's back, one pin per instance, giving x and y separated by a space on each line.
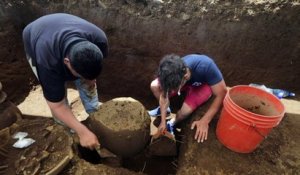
47 42
48 39
203 69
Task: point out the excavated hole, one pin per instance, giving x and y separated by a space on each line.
89 155
143 162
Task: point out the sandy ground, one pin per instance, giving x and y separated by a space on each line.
35 104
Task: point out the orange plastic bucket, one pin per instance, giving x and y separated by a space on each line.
247 117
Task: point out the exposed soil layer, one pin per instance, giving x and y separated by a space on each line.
251 41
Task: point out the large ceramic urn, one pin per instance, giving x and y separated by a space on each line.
122 126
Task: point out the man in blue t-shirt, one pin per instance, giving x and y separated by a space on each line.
200 78
63 47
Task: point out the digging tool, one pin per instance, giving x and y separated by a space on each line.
104 153
165 133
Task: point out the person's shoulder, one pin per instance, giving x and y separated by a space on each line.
54 16
198 57
63 15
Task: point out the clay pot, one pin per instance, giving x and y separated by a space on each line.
9 113
122 126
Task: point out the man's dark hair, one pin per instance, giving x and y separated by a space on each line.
86 59
170 72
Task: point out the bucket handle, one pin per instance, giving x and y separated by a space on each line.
259 133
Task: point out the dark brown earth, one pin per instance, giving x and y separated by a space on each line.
251 41
277 154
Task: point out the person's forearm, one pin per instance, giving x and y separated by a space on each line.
64 114
213 109
164 104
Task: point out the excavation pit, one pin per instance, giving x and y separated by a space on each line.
250 41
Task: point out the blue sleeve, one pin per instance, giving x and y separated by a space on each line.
52 84
213 74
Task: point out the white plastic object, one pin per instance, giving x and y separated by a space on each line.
20 135
23 143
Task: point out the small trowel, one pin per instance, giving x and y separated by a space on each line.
104 153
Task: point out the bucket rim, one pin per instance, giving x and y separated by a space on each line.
261 117
280 115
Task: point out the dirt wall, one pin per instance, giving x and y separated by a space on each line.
251 41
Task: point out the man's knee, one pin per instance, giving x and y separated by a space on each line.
198 96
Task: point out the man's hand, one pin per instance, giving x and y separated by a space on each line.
63 113
162 127
88 139
202 130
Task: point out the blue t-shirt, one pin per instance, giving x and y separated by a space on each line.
48 40
203 70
